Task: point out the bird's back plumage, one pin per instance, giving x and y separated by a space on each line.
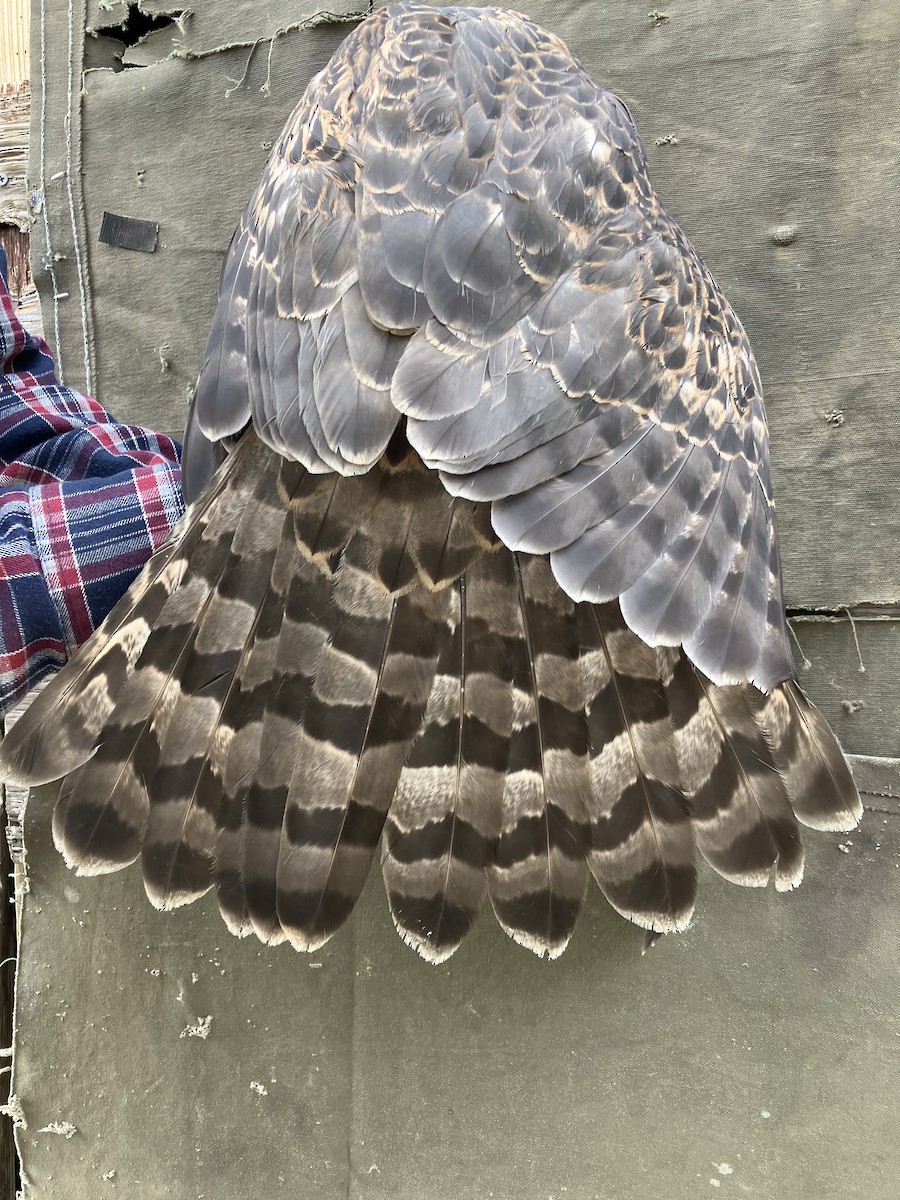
491 575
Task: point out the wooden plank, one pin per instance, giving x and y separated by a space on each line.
15 101
14 18
15 104
14 221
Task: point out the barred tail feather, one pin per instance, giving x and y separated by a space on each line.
240 626
261 722
304 631
538 879
742 817
642 855
444 819
368 701
811 762
235 747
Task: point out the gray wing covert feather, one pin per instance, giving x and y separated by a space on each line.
220 406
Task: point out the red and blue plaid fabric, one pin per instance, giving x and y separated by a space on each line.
83 503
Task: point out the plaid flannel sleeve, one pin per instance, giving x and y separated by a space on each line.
84 501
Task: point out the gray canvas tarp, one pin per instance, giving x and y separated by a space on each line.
755 1055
